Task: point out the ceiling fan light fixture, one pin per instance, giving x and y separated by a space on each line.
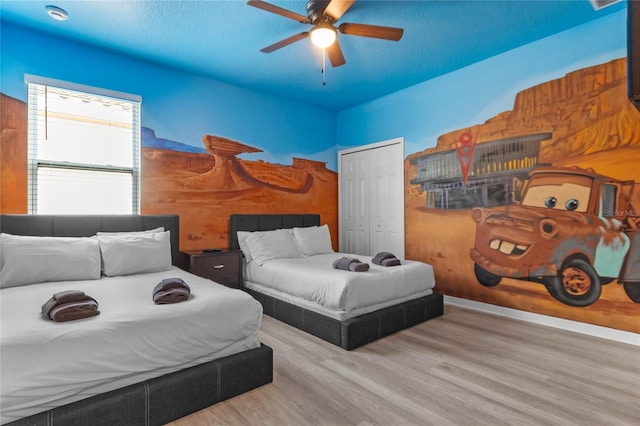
323 35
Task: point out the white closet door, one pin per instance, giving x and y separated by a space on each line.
354 236
386 200
372 199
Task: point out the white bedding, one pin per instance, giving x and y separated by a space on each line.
311 282
45 364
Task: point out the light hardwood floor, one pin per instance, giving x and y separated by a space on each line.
464 368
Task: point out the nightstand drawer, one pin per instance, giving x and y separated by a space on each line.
223 267
216 265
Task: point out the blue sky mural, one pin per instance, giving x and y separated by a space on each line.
178 106
284 129
476 93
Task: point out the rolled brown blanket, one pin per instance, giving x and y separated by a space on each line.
384 258
171 290
70 305
350 264
392 261
74 310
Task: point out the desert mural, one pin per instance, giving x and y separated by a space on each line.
205 188
203 185
538 208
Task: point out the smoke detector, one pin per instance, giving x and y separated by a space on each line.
57 13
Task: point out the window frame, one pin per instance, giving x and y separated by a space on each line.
34 163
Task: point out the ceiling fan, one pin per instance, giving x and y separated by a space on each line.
323 14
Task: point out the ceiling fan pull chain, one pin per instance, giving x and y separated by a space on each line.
324 68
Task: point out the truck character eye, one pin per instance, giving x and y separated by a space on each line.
550 202
572 204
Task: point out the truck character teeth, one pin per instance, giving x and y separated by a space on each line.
507 247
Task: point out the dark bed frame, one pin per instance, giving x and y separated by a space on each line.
163 399
348 334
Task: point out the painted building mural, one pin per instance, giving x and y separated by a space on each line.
541 204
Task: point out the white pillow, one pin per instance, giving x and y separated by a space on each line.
27 260
313 240
148 231
135 254
268 245
242 237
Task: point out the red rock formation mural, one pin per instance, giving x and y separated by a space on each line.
204 189
13 155
591 125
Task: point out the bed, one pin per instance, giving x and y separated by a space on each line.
350 316
136 362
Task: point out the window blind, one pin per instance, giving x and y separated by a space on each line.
84 149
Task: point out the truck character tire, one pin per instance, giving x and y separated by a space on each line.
633 290
485 277
577 284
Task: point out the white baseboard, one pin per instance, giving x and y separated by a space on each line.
564 324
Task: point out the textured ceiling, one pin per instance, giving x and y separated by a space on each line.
222 39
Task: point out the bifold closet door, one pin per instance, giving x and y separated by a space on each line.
386 200
354 175
372 200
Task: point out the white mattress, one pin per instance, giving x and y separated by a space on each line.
45 364
312 283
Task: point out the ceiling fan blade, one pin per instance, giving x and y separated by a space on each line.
285 42
374 31
278 10
337 8
335 55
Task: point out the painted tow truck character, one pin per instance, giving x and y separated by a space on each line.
572 230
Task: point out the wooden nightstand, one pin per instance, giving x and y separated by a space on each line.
224 267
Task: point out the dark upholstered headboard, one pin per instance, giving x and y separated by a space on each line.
88 225
267 222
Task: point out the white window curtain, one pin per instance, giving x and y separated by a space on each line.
84 149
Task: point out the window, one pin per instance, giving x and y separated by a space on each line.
84 149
